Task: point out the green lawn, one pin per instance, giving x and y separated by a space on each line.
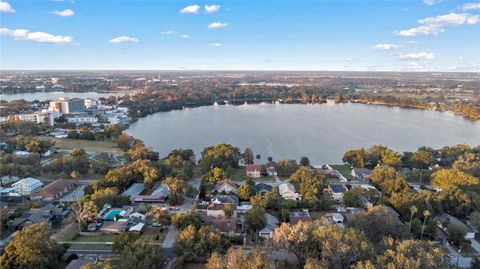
97 238
237 173
344 169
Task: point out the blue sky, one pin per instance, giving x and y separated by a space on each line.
410 35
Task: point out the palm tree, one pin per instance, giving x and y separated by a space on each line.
413 210
426 214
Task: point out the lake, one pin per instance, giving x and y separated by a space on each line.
321 132
44 96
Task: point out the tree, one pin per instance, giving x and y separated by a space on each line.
75 175
307 182
286 167
388 180
160 215
141 253
236 258
353 198
293 238
392 158
456 201
248 156
221 155
335 247
426 214
192 242
215 175
177 190
228 210
423 158
85 213
181 221
304 161
355 158
412 254
247 190
258 156
456 234
141 152
32 248
255 219
475 219
123 240
379 222
413 211
450 177
468 163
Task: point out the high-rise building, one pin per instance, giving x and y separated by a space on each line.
67 106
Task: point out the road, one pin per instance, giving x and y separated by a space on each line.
457 259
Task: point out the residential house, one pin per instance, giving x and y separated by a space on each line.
54 190
217 210
159 195
114 227
296 217
134 191
287 191
263 188
225 199
27 185
226 186
361 173
271 169
267 231
223 225
337 191
253 170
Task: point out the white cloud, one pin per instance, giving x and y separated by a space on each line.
436 25
216 45
471 6
124 39
185 36
64 13
431 2
413 42
41 37
212 8
193 9
417 56
386 46
217 25
6 8
169 32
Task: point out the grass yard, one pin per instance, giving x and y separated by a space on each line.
152 233
87 145
97 238
344 169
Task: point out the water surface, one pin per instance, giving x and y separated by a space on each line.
321 132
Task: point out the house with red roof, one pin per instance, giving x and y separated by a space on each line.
253 170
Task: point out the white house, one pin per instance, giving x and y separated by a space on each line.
226 186
218 210
287 191
253 170
361 173
27 185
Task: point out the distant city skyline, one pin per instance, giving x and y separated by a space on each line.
428 35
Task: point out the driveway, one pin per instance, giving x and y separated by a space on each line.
170 237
